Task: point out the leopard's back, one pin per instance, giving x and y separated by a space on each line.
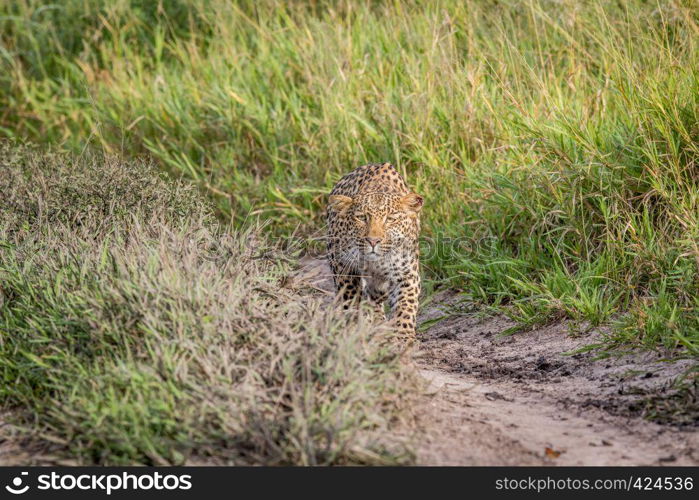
373 177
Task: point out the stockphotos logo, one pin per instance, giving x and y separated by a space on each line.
106 483
17 487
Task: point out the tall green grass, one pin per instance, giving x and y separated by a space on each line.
558 140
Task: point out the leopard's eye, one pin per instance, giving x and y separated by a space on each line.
393 218
363 218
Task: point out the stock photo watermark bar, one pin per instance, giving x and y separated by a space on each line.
217 482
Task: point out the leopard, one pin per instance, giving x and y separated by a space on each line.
373 227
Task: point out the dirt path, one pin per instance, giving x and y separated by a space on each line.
520 400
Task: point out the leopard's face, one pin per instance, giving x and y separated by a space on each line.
377 224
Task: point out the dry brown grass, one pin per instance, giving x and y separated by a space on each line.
136 329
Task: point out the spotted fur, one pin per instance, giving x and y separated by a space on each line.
373 228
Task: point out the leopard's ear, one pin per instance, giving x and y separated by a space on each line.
412 202
339 202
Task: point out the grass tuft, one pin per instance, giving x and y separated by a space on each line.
134 329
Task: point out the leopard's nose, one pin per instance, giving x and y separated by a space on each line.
373 241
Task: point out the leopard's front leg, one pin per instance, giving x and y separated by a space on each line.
375 294
349 290
403 301
347 285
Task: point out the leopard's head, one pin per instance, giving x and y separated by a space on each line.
378 222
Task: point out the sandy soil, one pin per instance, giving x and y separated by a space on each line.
520 400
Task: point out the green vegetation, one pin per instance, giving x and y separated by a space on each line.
557 139
556 143
135 329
